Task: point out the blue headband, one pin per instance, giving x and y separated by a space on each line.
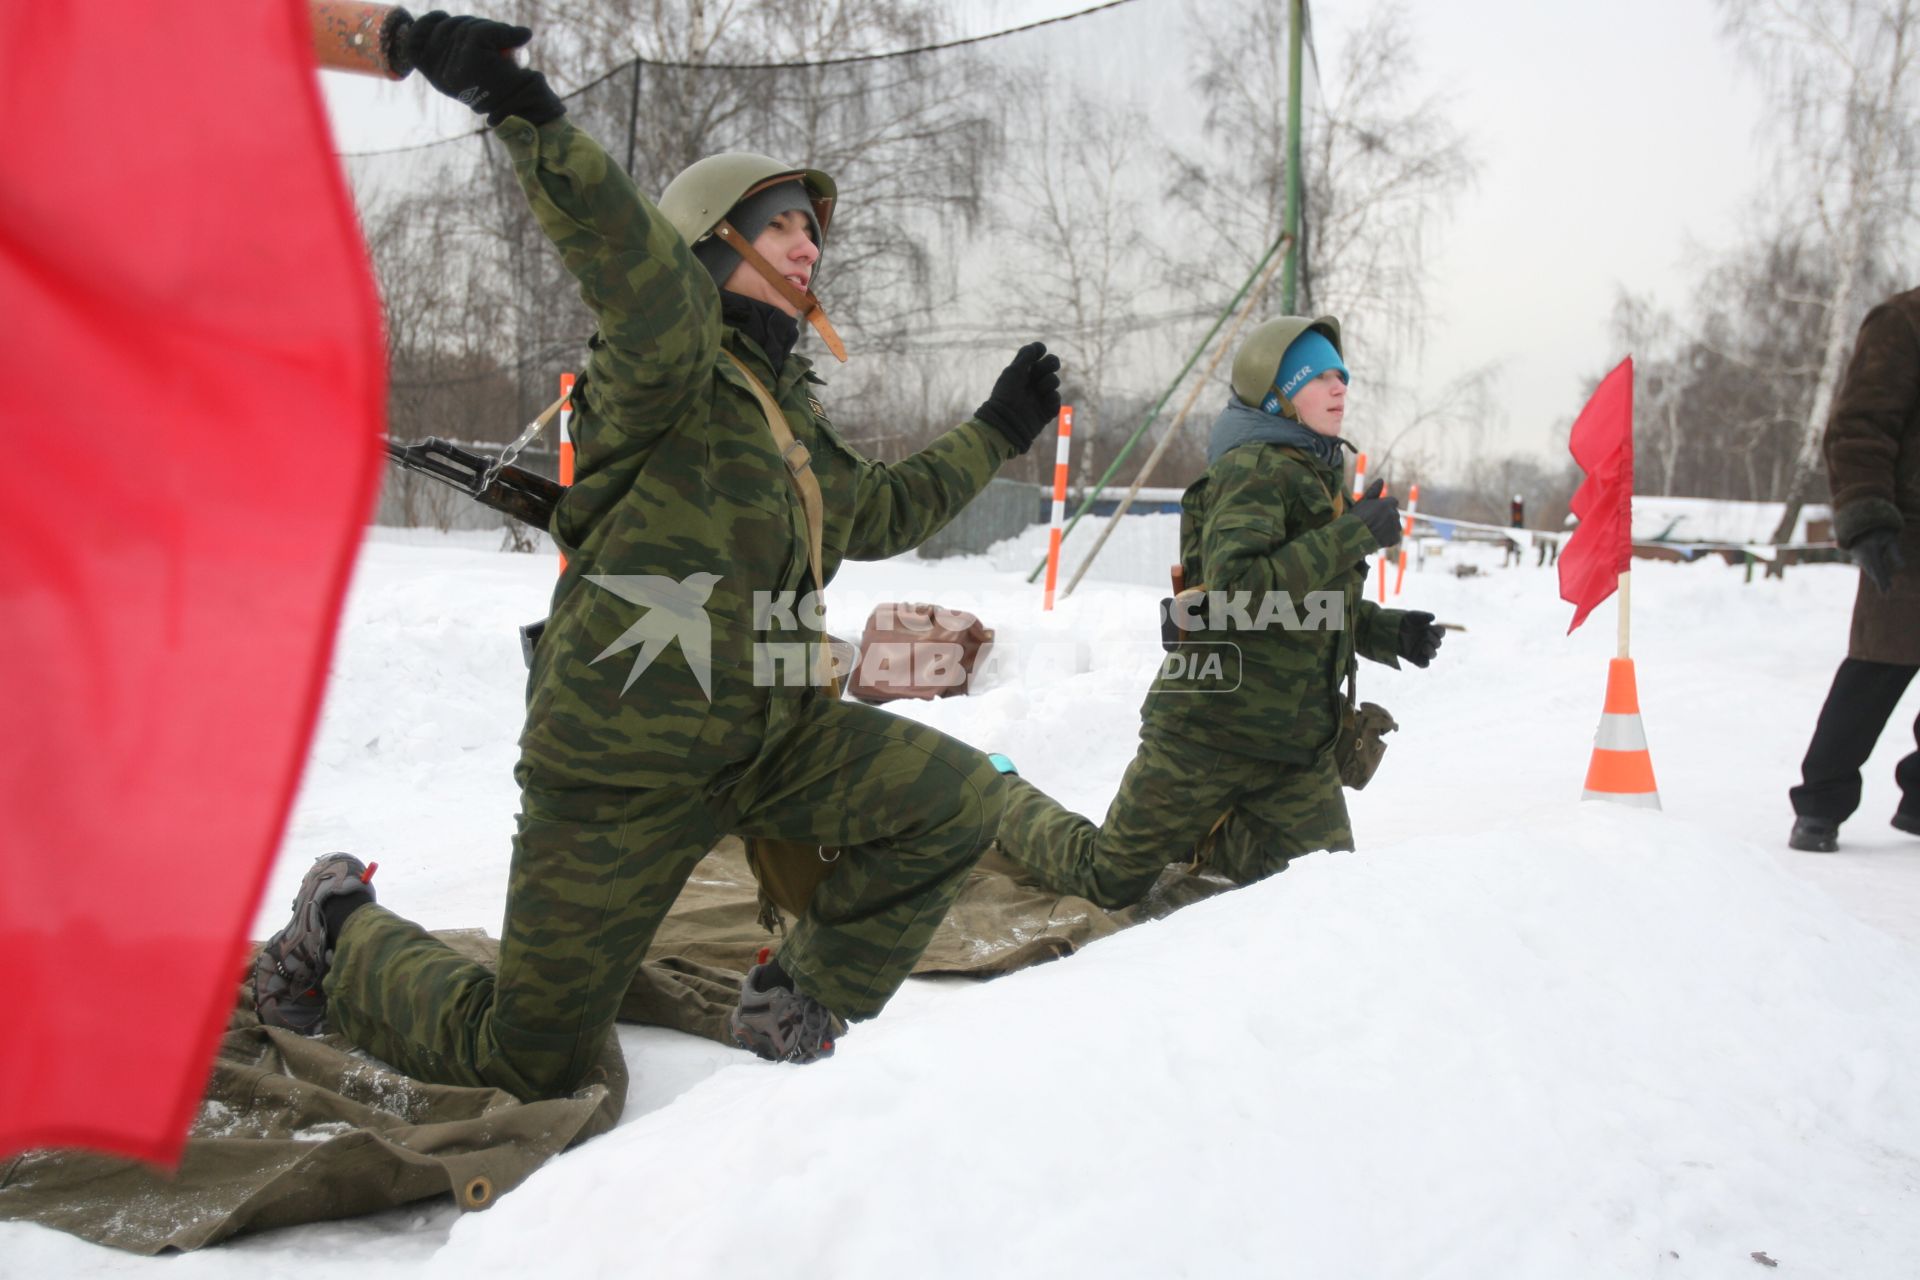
1307 357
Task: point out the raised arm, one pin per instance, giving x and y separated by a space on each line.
896 507
657 309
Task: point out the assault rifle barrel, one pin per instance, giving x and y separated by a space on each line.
524 495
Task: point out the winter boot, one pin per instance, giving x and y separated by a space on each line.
779 1023
1814 835
290 966
1907 822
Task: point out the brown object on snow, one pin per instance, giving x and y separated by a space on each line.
918 651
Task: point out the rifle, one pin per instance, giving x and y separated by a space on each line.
522 494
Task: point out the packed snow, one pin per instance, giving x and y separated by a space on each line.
1513 1036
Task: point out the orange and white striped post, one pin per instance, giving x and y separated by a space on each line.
566 440
1406 536
1380 575
1054 530
1359 476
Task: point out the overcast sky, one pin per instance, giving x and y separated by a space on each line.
1619 145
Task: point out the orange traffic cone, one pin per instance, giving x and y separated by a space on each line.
1622 768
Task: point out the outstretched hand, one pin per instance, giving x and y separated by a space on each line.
1025 397
471 61
1420 637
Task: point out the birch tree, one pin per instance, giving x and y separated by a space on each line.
1841 77
1384 163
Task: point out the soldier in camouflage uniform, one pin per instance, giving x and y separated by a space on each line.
1236 766
673 697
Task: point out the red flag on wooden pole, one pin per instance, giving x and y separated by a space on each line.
1601 548
193 384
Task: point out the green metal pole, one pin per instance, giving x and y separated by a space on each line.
1290 280
1086 503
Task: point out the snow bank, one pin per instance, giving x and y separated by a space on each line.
1570 1048
1513 1037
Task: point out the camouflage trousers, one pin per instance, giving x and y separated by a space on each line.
595 871
1240 816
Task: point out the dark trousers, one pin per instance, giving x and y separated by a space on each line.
1863 696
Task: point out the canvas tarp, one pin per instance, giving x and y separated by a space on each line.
302 1130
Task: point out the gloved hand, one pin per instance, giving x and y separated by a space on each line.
1026 396
1420 637
471 61
1878 555
1380 515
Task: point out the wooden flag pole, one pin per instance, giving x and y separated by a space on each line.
1626 612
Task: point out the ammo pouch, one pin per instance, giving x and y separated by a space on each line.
1360 747
1171 634
788 872
530 637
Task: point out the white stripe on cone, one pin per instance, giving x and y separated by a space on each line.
1633 799
1620 733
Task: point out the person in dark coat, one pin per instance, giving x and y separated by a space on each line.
1873 463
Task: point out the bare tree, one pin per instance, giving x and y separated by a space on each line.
908 140
1384 163
482 316
1723 393
1078 245
1843 79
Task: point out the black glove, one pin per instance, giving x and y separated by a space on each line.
471 61
1878 555
1026 396
1381 516
1420 637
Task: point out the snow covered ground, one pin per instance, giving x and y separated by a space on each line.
1514 1036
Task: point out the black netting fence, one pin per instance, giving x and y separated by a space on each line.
1105 183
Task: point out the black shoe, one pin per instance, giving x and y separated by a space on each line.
1907 822
1814 835
290 966
781 1024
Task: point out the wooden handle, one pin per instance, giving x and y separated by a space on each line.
365 39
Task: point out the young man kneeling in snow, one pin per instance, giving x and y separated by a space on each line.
709 478
1236 769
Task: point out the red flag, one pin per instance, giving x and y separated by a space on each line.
1602 547
192 384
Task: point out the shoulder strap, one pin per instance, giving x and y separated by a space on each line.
1340 503
806 486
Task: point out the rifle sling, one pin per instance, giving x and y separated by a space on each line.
806 486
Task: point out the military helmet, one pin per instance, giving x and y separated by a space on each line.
1258 359
706 190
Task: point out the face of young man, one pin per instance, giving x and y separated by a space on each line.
788 245
1322 403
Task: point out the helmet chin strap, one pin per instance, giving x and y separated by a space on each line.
801 300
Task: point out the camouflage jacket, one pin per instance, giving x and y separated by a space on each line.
1284 609
682 519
